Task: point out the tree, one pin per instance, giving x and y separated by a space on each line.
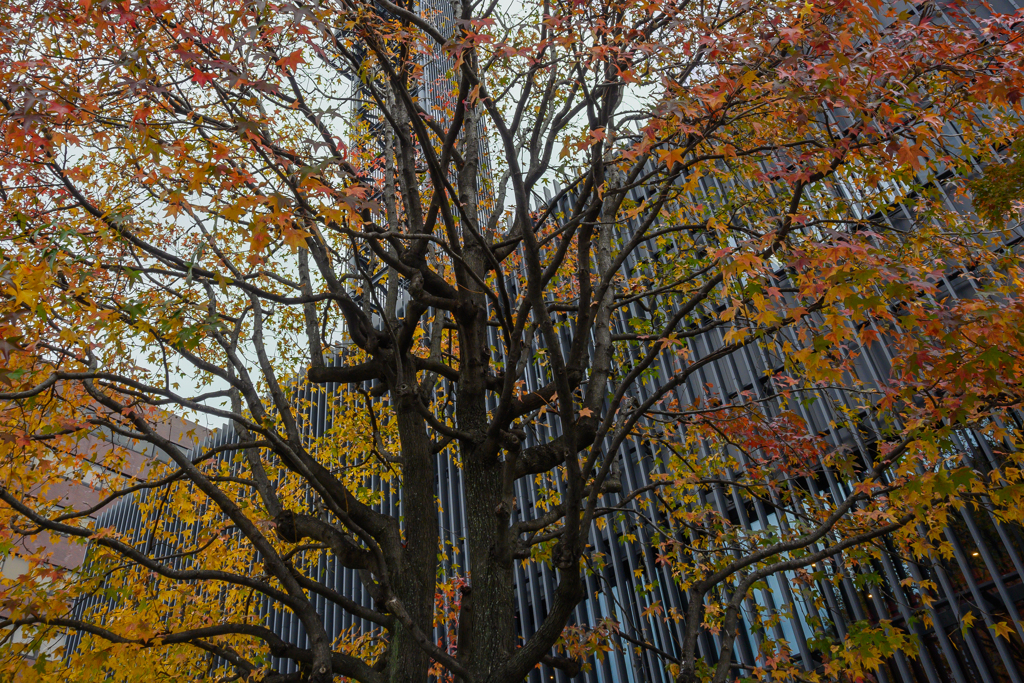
194 220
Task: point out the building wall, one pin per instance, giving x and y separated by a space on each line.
984 577
103 454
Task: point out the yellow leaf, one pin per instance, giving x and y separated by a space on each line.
1002 629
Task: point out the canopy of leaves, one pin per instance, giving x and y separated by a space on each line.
519 245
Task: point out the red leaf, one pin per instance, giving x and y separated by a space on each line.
201 77
291 61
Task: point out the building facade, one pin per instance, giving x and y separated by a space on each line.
105 456
983 579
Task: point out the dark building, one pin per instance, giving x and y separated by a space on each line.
983 578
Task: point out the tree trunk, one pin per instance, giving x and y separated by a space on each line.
413 572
